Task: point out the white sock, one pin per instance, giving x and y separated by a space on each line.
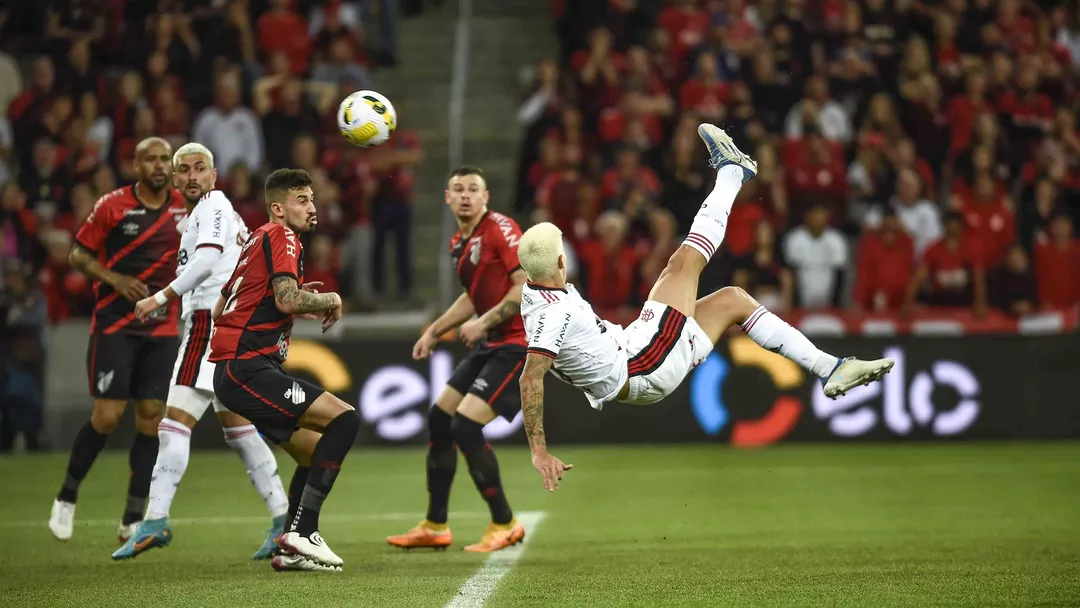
774 334
174 450
710 223
261 466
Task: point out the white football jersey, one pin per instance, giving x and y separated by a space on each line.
212 223
589 353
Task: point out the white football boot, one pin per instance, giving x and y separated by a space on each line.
851 372
62 519
284 562
312 547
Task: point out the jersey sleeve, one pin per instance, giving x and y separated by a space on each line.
506 246
549 330
282 253
214 223
96 228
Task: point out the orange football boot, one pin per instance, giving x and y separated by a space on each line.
499 536
425 534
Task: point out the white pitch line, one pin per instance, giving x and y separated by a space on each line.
187 521
478 589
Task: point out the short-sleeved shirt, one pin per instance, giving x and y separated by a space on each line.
588 352
251 325
484 261
132 239
212 223
951 269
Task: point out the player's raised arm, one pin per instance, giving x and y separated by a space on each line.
532 407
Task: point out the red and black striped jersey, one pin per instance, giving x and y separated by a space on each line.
251 325
484 261
132 239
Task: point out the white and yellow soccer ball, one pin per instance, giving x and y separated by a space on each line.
366 118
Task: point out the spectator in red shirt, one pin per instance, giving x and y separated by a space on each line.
320 264
705 94
1057 264
282 29
628 173
685 25
28 108
988 220
609 267
599 70
1013 285
885 265
817 176
664 230
963 110
634 106
951 271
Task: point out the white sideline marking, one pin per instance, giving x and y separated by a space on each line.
475 591
187 521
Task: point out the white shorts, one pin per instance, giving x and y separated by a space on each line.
192 385
662 346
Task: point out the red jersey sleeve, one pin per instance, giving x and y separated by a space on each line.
505 235
284 254
98 224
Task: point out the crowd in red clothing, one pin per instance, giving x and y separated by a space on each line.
256 81
911 153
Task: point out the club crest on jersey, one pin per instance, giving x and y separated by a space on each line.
647 315
130 229
474 252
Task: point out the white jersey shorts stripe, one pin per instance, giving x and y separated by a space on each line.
192 367
664 345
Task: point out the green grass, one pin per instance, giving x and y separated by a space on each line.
914 525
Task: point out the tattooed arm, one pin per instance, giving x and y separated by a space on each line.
290 299
510 304
532 406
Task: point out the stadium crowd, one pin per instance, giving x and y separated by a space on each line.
257 81
911 152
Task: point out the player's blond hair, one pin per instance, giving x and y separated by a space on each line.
539 251
193 148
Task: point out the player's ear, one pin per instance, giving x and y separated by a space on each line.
213 177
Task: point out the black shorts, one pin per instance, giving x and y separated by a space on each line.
491 373
259 390
126 366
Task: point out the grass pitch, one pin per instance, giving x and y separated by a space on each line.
913 525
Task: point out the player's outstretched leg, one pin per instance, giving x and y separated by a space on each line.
442 456
467 428
339 425
731 305
144 449
88 444
677 285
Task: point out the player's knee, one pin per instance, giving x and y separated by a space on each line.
736 300
466 432
439 425
148 415
181 416
106 415
683 260
348 422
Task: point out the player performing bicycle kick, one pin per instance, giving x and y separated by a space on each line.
644 362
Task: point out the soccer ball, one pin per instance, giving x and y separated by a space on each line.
366 118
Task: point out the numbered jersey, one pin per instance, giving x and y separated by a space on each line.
212 223
251 325
588 353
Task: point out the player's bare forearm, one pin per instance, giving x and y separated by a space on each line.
510 305
460 311
532 399
83 261
292 300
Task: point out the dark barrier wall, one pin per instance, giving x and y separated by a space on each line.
1002 387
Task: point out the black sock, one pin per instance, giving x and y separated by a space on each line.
88 444
296 489
441 464
337 438
483 466
142 458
